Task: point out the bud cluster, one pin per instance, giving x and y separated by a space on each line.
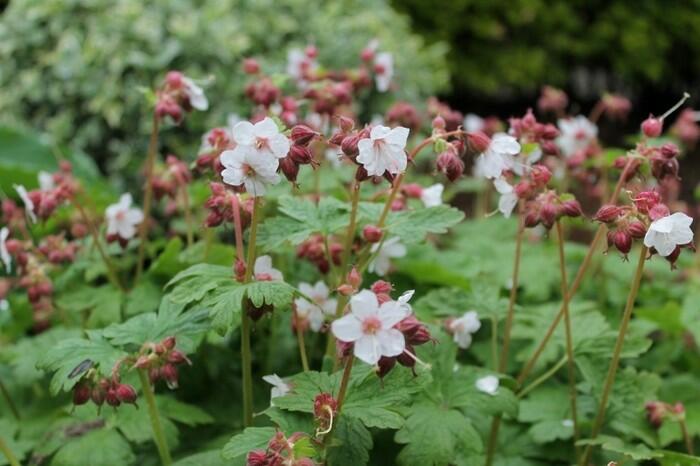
161 361
178 95
171 178
221 204
403 114
56 189
314 250
299 152
57 250
658 412
528 130
280 452
552 100
214 143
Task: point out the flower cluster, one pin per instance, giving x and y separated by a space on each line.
281 452
178 95
658 412
462 328
314 250
161 360
54 190
122 220
312 314
108 390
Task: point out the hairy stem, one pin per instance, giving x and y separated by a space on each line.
543 378
496 423
599 234
188 216
158 435
111 271
344 382
569 340
302 349
617 351
686 436
148 194
246 356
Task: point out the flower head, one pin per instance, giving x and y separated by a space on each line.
195 94
317 310
371 327
576 134
668 232
390 249
499 156
28 203
264 271
244 166
463 328
122 218
384 150
384 70
487 384
4 253
432 196
263 138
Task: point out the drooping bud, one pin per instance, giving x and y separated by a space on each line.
81 394
571 208
111 397
478 141
289 168
541 175
637 229
251 66
450 164
349 146
548 214
169 342
257 458
302 135
372 234
126 393
607 213
652 127
622 241
169 372
300 154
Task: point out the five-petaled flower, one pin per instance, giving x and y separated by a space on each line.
383 253
384 150
195 94
248 168
122 219
508 199
371 327
463 327
383 70
487 384
264 271
576 134
317 310
666 233
263 139
499 156
279 386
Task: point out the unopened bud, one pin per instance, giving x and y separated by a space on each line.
637 229
652 127
372 234
251 66
548 214
607 213
81 394
439 123
478 141
126 393
669 150
571 208
622 241
302 135
170 374
346 124
541 175
300 154
349 146
354 278
381 287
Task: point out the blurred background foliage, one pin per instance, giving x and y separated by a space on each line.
77 68
502 52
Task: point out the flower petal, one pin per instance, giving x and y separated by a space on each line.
348 328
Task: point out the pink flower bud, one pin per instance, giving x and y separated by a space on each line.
346 124
450 164
111 397
607 213
174 79
372 234
126 393
439 123
531 218
354 278
412 190
289 168
97 395
541 175
81 394
169 342
637 229
169 372
301 154
251 66
381 287
349 146
571 208
659 211
652 127
257 458
548 214
478 141
669 150
302 135
622 241
385 365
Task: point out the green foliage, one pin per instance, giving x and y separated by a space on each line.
76 69
101 447
253 438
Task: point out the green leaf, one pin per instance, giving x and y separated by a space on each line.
206 458
193 283
302 218
101 447
351 443
436 436
637 452
547 408
68 354
103 303
412 226
253 438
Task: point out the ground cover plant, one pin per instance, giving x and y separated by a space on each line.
306 289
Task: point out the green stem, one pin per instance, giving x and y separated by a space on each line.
494 342
544 377
496 423
344 382
10 402
11 458
147 195
189 222
158 435
569 339
617 351
686 437
302 348
246 356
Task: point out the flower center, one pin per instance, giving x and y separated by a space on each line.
261 143
120 215
248 170
371 325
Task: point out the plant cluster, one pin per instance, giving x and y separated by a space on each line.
304 242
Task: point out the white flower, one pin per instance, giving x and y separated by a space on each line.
432 196
473 122
499 156
463 327
576 134
4 253
508 199
195 94
370 327
384 70
391 249
523 163
668 232
243 166
4 305
321 306
28 203
384 150
264 271
279 386
487 384
568 423
262 138
122 218
299 64
46 182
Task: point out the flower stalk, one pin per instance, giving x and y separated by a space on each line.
158 434
148 194
246 356
617 351
10 402
11 458
569 339
302 349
